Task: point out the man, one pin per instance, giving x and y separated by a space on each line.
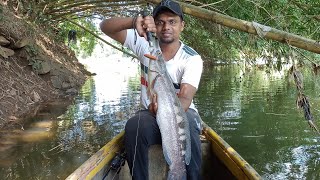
184 66
72 36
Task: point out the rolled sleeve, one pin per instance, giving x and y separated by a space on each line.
138 45
192 71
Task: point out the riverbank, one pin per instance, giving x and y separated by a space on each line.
34 69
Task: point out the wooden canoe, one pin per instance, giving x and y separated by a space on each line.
219 161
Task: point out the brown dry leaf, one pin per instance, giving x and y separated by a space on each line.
5 52
36 97
13 118
4 41
21 43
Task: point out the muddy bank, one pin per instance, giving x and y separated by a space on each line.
33 68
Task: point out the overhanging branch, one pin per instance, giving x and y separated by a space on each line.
245 26
92 33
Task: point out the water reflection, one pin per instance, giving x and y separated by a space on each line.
255 112
296 163
62 136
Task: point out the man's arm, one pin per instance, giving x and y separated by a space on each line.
116 27
190 80
186 94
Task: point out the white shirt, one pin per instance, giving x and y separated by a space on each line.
185 67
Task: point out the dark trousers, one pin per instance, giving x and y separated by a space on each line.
149 134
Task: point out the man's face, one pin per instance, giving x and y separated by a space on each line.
169 26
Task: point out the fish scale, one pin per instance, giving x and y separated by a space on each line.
171 118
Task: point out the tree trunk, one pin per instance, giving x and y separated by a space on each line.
245 26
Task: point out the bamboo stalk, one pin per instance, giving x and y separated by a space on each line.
245 26
56 16
82 3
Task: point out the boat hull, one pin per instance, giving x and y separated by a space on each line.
219 161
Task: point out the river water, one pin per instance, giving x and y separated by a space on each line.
254 111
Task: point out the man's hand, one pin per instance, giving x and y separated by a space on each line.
144 25
153 106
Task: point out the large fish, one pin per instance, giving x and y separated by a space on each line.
171 117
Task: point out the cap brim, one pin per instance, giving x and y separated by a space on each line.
158 9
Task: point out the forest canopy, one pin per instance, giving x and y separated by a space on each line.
215 42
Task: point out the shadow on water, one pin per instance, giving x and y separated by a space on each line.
64 134
39 129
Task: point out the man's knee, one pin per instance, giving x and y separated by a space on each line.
131 125
142 120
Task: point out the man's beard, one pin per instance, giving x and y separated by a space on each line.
166 41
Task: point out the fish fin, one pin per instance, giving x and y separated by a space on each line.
172 175
150 90
188 152
187 157
166 157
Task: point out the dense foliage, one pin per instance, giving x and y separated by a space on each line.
85 41
298 17
215 43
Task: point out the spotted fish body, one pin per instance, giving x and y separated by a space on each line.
171 119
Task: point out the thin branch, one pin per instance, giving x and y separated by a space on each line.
200 4
304 8
98 3
83 9
260 7
92 33
214 3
